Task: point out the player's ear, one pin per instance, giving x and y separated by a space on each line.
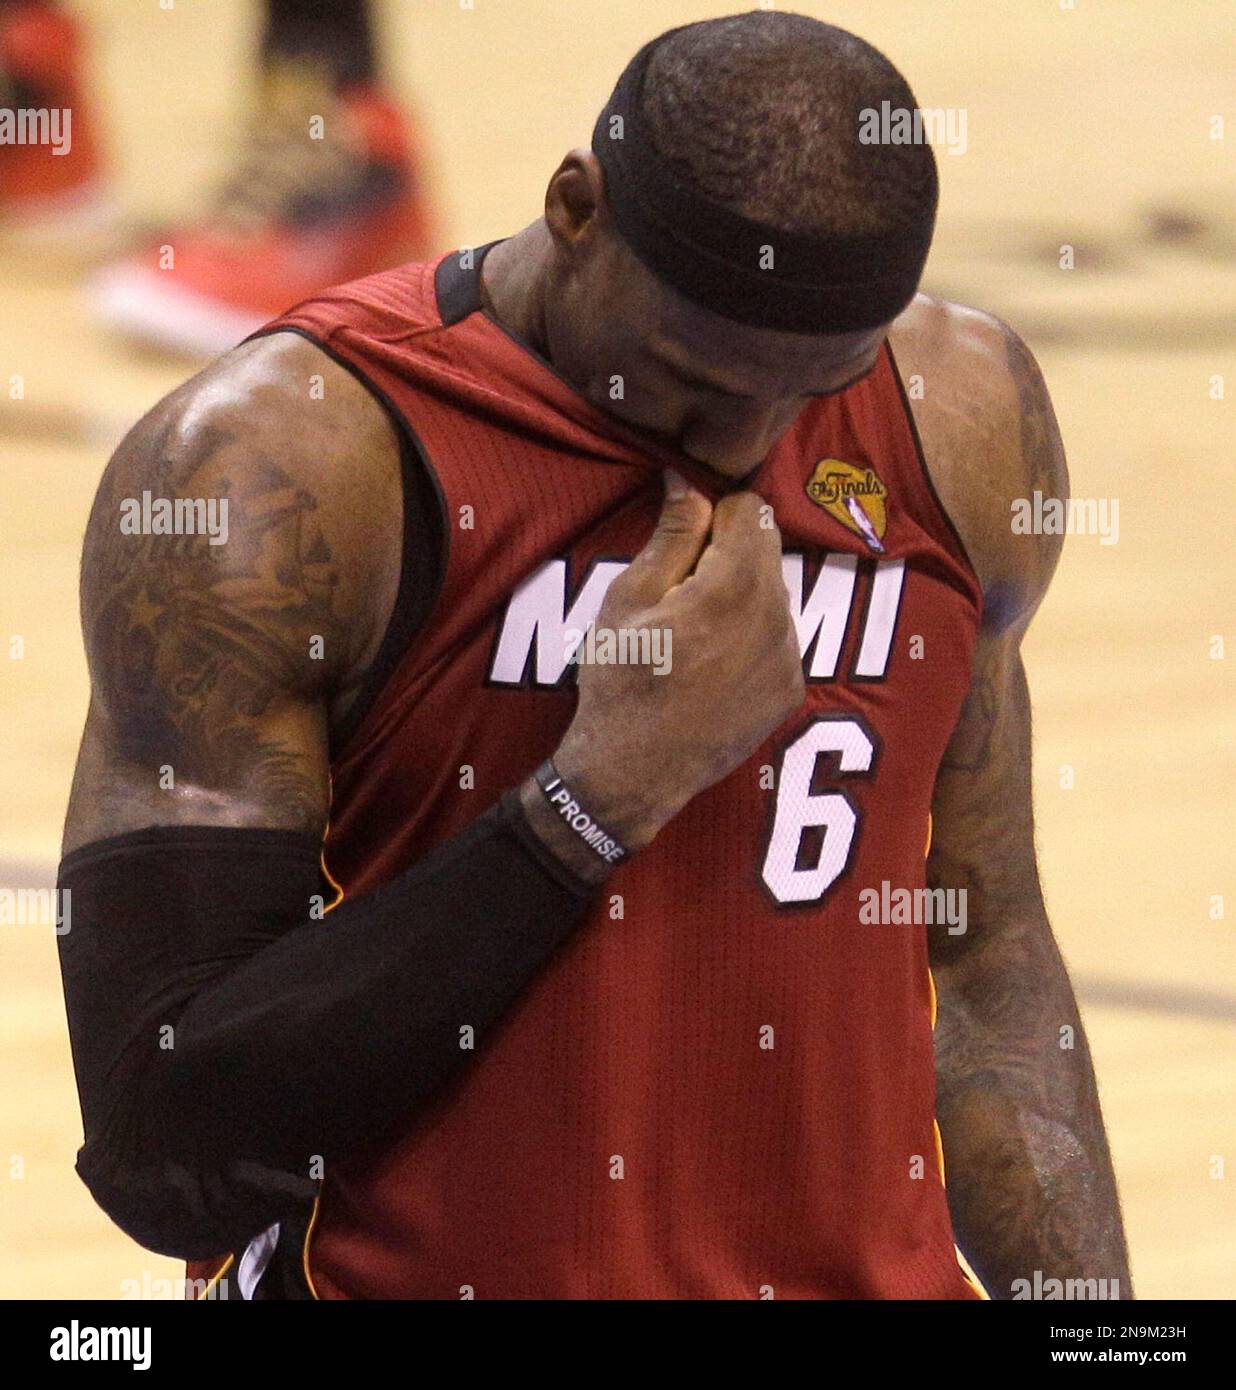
575 195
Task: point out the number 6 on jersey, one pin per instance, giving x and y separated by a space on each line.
799 809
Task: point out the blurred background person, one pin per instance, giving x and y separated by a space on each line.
325 187
47 193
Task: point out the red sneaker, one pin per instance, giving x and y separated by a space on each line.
327 191
50 171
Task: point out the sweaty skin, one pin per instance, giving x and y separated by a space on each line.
232 664
1030 1182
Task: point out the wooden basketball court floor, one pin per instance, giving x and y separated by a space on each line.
1090 126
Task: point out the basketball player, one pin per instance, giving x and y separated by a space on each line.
412 958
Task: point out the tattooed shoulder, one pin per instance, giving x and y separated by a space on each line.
226 596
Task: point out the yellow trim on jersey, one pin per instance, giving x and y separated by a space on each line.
231 1259
935 1130
971 1278
215 1277
334 883
317 1201
304 1254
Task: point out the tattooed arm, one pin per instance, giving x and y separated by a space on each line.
228 1039
1030 1181
216 662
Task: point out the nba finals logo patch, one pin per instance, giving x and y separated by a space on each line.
854 496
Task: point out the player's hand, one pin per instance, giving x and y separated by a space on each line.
643 741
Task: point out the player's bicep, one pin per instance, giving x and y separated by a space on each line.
982 810
210 651
271 774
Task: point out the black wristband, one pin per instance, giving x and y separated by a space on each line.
605 846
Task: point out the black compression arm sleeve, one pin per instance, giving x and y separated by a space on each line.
226 1044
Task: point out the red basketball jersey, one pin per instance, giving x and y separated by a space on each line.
723 1086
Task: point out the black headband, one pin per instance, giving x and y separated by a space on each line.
712 255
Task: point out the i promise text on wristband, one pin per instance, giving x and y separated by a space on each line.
566 803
